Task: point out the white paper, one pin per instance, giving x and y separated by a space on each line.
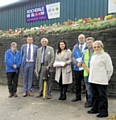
79 60
57 64
81 68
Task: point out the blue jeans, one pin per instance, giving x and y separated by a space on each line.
89 89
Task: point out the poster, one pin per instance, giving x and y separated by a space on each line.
53 10
111 6
43 12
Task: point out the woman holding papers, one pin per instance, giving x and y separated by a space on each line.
63 68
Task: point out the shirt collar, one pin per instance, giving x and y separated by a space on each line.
30 45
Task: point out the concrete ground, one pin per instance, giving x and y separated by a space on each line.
32 108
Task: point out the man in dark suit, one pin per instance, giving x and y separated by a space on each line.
29 53
45 59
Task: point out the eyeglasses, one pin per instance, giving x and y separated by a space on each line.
96 47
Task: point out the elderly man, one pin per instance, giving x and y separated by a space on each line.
87 54
45 59
77 62
29 53
13 60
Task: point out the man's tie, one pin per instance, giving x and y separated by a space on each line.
43 53
29 52
81 48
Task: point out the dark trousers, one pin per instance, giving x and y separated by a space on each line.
100 102
63 87
78 79
12 80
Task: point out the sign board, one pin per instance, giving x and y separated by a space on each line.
43 12
111 6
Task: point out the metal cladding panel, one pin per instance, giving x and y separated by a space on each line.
15 16
91 8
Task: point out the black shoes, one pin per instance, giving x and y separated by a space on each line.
76 99
62 97
101 116
92 112
95 112
88 104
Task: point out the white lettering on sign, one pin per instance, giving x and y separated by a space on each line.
40 9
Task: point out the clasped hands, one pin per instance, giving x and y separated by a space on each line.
14 66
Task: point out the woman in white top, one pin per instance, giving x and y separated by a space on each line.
101 69
63 73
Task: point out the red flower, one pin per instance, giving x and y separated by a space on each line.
100 17
42 31
87 20
69 22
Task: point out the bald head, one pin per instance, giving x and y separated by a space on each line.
81 39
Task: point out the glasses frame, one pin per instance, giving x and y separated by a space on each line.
96 47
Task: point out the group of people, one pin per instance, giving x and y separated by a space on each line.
90 63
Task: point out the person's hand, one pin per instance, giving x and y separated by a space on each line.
14 66
64 64
88 69
47 67
79 65
35 70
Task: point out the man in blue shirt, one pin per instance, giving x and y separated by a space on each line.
13 60
77 65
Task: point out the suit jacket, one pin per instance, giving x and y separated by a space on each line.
66 70
24 53
49 57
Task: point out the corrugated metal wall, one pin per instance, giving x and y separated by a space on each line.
15 16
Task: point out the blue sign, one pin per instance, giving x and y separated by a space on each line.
35 14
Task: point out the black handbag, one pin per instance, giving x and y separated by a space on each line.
46 75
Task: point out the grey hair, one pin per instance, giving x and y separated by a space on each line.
44 39
99 42
90 38
13 44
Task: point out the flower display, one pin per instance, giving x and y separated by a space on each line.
108 17
67 26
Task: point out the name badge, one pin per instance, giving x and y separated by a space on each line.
49 52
